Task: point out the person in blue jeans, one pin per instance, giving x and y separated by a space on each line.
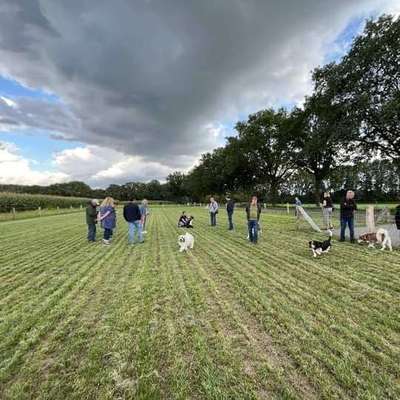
347 208
253 212
134 217
108 218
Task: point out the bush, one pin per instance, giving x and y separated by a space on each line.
24 202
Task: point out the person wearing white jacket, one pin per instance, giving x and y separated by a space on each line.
213 210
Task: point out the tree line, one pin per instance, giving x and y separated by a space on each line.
346 135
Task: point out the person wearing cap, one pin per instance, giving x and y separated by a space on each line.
91 219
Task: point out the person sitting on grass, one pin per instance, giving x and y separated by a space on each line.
253 212
182 220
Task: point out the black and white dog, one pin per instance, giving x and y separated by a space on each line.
318 247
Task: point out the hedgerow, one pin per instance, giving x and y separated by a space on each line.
24 202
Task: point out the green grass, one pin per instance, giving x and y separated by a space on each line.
227 321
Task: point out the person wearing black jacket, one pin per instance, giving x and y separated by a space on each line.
327 210
347 208
133 217
253 212
91 219
397 217
230 208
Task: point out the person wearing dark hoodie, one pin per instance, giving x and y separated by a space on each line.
253 212
133 216
397 217
230 208
347 208
91 219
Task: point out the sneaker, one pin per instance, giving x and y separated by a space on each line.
144 232
106 241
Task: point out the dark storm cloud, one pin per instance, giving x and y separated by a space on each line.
148 77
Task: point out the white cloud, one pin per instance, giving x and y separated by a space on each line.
100 166
15 169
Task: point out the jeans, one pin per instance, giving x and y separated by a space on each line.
213 219
230 220
132 227
344 221
144 223
107 233
253 230
91 236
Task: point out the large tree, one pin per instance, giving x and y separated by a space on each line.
321 138
366 83
265 149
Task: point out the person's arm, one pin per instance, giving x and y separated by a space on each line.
124 214
101 217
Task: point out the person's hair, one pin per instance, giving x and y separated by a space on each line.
144 202
108 201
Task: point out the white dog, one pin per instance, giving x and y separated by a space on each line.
185 242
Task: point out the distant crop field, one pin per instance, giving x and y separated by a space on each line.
229 320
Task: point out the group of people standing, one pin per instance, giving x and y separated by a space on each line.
105 214
253 213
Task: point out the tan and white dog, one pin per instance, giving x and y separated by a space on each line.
185 242
381 237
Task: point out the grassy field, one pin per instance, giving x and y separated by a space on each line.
229 320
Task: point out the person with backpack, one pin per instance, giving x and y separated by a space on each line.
133 217
253 212
230 208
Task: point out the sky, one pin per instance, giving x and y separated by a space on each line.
132 90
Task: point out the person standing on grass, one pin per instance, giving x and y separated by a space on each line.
347 208
327 210
108 218
397 218
253 212
213 210
91 219
144 210
133 217
230 208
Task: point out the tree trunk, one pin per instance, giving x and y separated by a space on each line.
274 192
317 189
